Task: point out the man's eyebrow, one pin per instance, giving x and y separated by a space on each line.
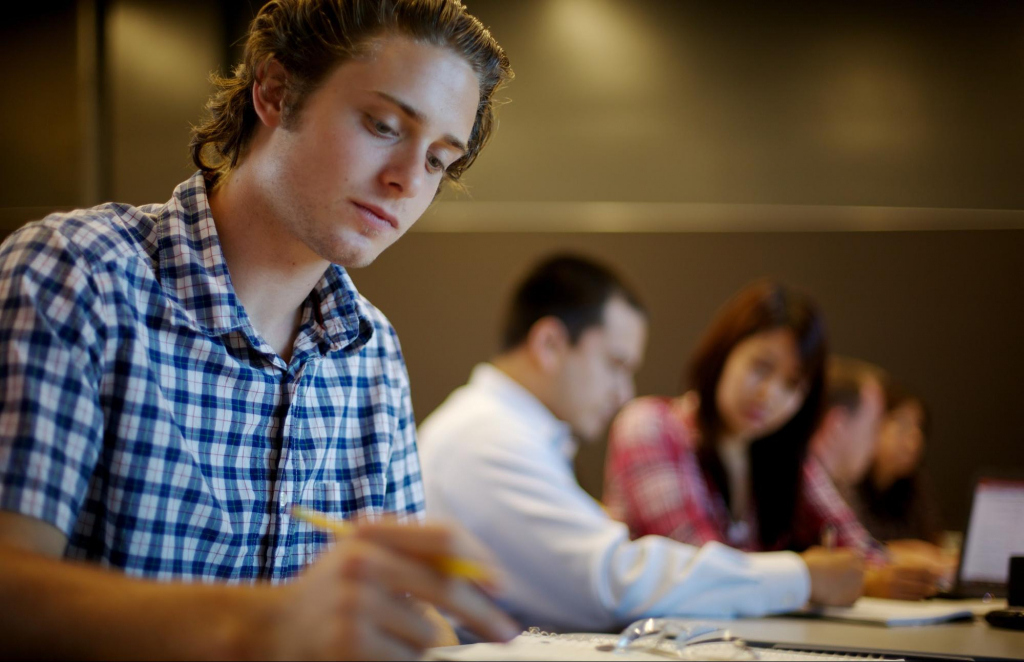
419 117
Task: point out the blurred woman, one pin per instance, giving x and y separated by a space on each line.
726 460
893 502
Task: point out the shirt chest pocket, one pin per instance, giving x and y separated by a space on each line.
362 496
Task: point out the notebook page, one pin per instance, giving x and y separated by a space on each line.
527 647
594 648
894 613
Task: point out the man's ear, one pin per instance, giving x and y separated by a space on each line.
269 92
547 343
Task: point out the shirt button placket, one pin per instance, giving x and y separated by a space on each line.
286 479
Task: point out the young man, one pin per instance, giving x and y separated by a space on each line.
177 377
497 457
844 445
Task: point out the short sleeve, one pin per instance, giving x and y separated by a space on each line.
51 353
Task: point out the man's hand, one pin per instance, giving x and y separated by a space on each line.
902 581
924 554
360 600
837 576
365 599
915 548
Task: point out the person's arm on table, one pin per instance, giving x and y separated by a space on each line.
572 566
350 604
902 581
942 562
837 576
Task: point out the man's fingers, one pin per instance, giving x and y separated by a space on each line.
401 574
477 612
471 607
435 542
426 540
381 645
398 617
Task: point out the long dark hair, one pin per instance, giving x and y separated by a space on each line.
776 460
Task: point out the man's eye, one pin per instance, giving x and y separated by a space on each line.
381 128
434 164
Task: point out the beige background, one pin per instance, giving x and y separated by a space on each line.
869 152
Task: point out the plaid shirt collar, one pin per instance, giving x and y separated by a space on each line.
192 271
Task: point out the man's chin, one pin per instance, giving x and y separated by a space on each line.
357 262
353 257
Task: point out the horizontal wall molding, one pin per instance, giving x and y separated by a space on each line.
451 216
469 217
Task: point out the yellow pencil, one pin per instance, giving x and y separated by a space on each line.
452 566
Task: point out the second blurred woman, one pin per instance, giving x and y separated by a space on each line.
894 501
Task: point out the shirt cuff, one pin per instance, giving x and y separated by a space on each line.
785 580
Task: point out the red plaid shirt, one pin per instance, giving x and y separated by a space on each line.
654 483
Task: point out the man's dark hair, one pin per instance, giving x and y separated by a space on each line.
845 379
571 288
309 38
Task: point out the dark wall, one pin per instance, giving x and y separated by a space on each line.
40 133
841 103
867 103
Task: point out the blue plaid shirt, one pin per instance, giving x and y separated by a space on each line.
142 415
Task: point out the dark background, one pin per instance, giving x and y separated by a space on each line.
870 153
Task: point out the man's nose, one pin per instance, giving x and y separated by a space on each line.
404 175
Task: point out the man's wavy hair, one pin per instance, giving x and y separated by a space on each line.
311 37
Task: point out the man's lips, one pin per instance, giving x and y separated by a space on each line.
378 212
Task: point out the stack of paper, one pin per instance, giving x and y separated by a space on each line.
894 613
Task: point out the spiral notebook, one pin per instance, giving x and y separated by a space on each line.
599 647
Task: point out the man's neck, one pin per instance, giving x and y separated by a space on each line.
272 272
517 367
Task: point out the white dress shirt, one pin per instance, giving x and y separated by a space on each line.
496 460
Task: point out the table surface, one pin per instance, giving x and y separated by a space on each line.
965 639
975 639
